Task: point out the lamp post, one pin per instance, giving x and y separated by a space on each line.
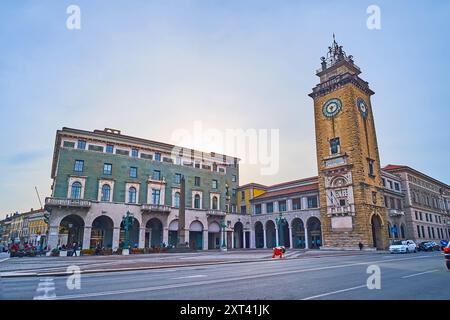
223 246
127 222
280 221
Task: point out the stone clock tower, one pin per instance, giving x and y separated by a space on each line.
351 195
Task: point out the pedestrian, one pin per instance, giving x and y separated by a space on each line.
360 245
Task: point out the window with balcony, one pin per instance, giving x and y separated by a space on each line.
106 193
296 204
81 144
178 178
269 207
197 181
197 201
215 204
258 209
76 190
132 195
79 164
156 196
282 206
156 175
107 169
133 172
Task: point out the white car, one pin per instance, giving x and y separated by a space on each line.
403 246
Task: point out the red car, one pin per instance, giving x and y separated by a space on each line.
447 255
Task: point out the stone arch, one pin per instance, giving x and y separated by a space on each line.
298 233
376 223
259 234
196 235
214 235
102 232
71 229
270 234
154 233
238 235
314 232
173 233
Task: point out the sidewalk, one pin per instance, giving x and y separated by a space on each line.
57 266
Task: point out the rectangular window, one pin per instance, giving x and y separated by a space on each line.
69 144
418 231
426 216
421 217
243 209
417 216
258 209
197 181
342 202
233 178
312 202
93 147
242 195
156 175
383 181
397 186
296 204
109 148
123 152
233 192
371 168
79 164
282 206
107 168
81 144
133 172
335 146
215 184
423 231
134 153
390 184
178 178
157 156
269 207
156 196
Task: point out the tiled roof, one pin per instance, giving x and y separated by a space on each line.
308 187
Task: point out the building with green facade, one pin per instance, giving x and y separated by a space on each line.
99 176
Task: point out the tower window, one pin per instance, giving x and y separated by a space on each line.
335 146
374 197
371 169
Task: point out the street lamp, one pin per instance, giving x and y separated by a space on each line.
127 222
280 221
223 246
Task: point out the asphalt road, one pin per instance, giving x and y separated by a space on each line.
410 276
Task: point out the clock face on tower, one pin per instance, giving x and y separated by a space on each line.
331 108
362 107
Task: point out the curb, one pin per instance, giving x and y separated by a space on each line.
64 273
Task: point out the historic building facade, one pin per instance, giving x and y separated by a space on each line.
426 204
101 175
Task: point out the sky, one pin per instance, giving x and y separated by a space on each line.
150 68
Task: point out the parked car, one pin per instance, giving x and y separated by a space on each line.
403 246
443 244
447 255
436 247
425 246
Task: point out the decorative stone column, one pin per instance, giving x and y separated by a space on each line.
265 238
306 238
245 239
252 239
290 237
276 236
53 233
87 237
205 239
232 239
116 237
141 238
166 236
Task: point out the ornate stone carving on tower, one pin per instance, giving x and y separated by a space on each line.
351 195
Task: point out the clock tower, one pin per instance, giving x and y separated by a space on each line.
352 205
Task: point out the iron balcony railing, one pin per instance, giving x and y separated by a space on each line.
74 203
215 213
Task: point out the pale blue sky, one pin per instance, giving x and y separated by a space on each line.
150 67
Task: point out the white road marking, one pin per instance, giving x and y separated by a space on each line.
226 280
4 259
418 274
189 277
47 287
334 292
